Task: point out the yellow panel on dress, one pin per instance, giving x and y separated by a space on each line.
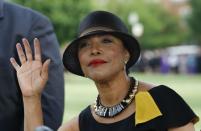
146 108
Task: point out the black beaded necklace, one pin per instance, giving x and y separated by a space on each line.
109 112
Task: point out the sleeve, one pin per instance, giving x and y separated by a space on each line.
53 94
176 112
43 128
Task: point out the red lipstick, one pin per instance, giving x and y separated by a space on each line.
96 62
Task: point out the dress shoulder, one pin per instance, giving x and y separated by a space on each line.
84 118
176 112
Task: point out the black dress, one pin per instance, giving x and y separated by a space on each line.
175 113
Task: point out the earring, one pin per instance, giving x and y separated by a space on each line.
85 76
125 62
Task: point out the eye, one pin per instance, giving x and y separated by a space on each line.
107 40
82 44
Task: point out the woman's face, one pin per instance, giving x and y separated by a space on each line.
102 57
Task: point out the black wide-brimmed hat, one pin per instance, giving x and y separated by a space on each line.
100 22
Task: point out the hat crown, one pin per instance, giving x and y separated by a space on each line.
102 19
97 23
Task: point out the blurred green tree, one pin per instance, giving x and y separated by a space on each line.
64 14
161 29
194 20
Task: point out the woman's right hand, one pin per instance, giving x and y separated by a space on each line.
32 74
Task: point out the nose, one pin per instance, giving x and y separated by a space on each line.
95 48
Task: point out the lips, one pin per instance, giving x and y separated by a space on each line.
96 62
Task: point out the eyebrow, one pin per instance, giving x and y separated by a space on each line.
98 35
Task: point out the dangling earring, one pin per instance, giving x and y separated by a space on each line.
125 62
85 76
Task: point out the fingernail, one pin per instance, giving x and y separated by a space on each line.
49 60
35 39
11 59
18 44
23 39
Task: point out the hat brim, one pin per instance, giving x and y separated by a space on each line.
70 56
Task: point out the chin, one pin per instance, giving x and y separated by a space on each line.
101 76
98 76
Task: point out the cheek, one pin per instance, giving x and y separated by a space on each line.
117 57
82 59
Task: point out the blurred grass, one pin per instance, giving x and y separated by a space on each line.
80 92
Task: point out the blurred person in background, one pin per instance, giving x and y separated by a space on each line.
198 62
17 22
103 52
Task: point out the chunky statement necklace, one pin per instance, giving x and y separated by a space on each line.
109 112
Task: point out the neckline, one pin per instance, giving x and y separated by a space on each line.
120 121
113 123
109 112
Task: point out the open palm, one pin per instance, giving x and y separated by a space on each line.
32 74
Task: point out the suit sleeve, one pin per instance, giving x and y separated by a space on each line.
53 94
176 112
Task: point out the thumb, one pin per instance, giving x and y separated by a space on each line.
44 73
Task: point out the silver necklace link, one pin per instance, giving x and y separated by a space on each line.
109 112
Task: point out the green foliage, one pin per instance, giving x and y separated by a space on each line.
64 14
160 28
195 19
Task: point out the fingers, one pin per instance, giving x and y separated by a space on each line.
14 63
37 49
21 54
27 49
44 73
27 55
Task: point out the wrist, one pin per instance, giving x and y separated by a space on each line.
32 100
33 115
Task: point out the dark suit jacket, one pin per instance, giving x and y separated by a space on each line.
17 22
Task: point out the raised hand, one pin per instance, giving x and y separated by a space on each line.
32 74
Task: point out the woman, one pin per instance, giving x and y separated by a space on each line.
103 52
